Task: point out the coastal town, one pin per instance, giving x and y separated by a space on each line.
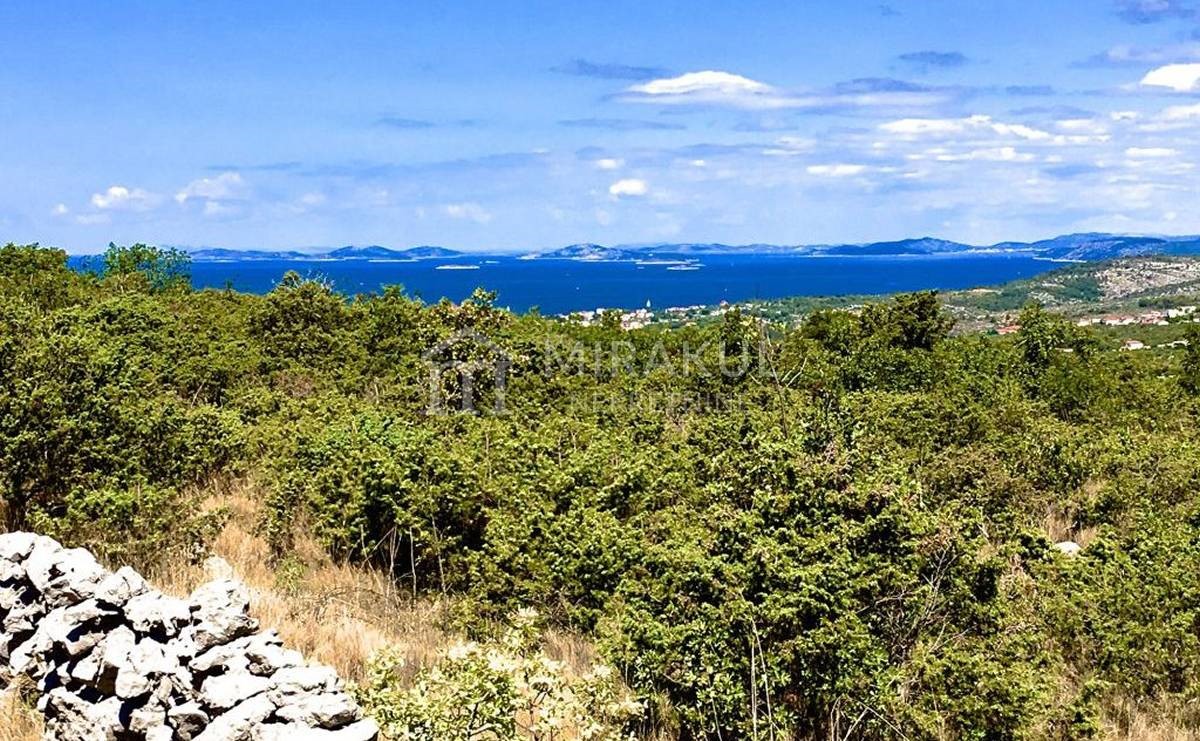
1005 325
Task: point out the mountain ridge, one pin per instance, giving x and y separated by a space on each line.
1084 246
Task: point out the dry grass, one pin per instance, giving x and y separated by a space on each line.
1059 525
333 613
18 721
1164 721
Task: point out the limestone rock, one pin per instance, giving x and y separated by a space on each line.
238 724
151 612
115 659
220 613
224 691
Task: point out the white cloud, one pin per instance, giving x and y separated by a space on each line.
1125 54
61 210
628 187
1172 118
836 170
1146 152
994 154
708 81
609 163
1181 78
711 87
224 186
1082 125
914 127
718 88
119 197
1181 112
216 208
468 211
789 146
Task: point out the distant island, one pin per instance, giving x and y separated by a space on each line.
1070 247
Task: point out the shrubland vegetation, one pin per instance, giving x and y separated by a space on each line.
843 529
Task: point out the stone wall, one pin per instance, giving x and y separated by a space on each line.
113 658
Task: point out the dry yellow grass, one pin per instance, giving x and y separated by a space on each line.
1164 721
333 613
18 721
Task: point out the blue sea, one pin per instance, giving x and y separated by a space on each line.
560 286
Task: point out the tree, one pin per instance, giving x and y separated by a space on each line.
1189 374
836 331
302 319
39 275
143 267
911 321
1042 334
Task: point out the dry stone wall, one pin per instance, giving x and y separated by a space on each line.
114 659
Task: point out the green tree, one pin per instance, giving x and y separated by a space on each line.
1189 371
39 275
302 319
910 321
142 267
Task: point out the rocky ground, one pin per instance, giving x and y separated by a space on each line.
113 658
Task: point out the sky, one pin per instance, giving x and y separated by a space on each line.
510 126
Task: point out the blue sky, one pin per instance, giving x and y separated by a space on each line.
494 125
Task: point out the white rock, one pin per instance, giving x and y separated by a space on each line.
117 588
238 724
114 656
154 612
117 659
363 730
188 719
10 572
10 597
161 733
229 656
63 576
85 670
17 546
224 691
1068 548
220 613
148 720
145 665
326 710
23 617
306 680
71 718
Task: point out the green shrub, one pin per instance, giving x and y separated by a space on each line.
504 689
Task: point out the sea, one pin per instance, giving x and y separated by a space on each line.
557 286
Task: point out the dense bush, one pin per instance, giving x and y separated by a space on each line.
504 688
841 529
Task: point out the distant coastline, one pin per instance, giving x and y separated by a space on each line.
1066 248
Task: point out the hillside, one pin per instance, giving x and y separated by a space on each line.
1091 286
736 529
1075 290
